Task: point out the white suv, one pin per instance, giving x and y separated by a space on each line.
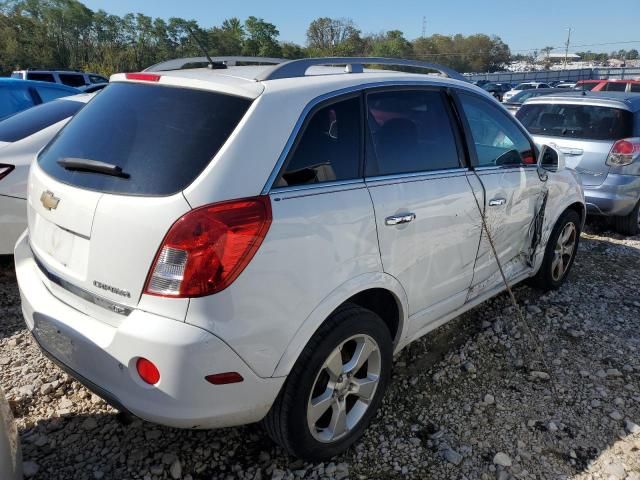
255 242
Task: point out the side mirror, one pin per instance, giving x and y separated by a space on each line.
551 159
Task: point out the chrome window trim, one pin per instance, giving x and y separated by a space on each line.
414 176
431 82
314 186
90 297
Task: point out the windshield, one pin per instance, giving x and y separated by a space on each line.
161 137
522 96
525 86
576 121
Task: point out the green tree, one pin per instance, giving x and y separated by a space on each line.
261 38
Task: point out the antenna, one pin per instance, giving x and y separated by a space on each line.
566 48
204 51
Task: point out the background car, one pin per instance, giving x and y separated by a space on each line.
586 85
10 456
21 136
515 102
72 78
523 86
617 86
599 134
18 95
497 89
566 85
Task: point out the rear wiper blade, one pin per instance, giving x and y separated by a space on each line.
95 166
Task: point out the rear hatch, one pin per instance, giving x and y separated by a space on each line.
584 133
105 191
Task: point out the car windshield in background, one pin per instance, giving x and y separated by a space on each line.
161 137
23 124
525 86
576 121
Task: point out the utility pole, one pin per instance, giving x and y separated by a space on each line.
566 48
424 27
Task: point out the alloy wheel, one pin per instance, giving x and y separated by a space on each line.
563 251
344 388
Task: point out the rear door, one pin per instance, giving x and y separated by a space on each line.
584 133
427 220
505 161
99 233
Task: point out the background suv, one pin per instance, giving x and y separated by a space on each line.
254 243
72 78
599 134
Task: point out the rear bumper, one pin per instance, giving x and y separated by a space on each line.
13 221
617 195
103 357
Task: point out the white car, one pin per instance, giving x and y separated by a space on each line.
521 87
21 136
256 242
566 85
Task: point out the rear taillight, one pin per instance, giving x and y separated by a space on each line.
5 170
207 248
624 152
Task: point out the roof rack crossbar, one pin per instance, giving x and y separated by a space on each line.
179 63
298 68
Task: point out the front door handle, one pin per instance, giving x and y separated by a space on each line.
399 219
494 202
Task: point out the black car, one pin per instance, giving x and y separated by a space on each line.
515 102
497 89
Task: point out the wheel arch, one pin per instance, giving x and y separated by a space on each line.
372 291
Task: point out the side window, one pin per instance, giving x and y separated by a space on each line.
635 87
409 131
42 77
48 94
497 138
615 87
71 79
329 148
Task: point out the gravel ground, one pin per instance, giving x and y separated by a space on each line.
475 399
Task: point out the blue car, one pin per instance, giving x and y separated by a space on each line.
17 95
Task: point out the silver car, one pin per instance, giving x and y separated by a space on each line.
10 457
599 133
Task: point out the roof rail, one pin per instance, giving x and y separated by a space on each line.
179 63
298 68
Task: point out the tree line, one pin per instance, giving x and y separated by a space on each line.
67 34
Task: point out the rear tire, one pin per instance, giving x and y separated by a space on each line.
560 252
330 396
629 224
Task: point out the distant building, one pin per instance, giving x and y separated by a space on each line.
559 57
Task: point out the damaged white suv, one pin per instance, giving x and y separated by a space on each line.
246 243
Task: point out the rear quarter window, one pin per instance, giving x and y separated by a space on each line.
71 79
162 137
576 121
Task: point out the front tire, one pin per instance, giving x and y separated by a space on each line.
335 387
560 252
629 224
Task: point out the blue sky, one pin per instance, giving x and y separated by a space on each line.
522 25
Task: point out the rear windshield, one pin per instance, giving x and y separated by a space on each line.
161 137
576 121
23 124
525 86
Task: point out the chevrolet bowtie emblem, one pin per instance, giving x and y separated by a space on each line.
49 200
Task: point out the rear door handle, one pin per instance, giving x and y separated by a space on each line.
399 219
494 202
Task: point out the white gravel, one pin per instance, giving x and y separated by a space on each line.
473 400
